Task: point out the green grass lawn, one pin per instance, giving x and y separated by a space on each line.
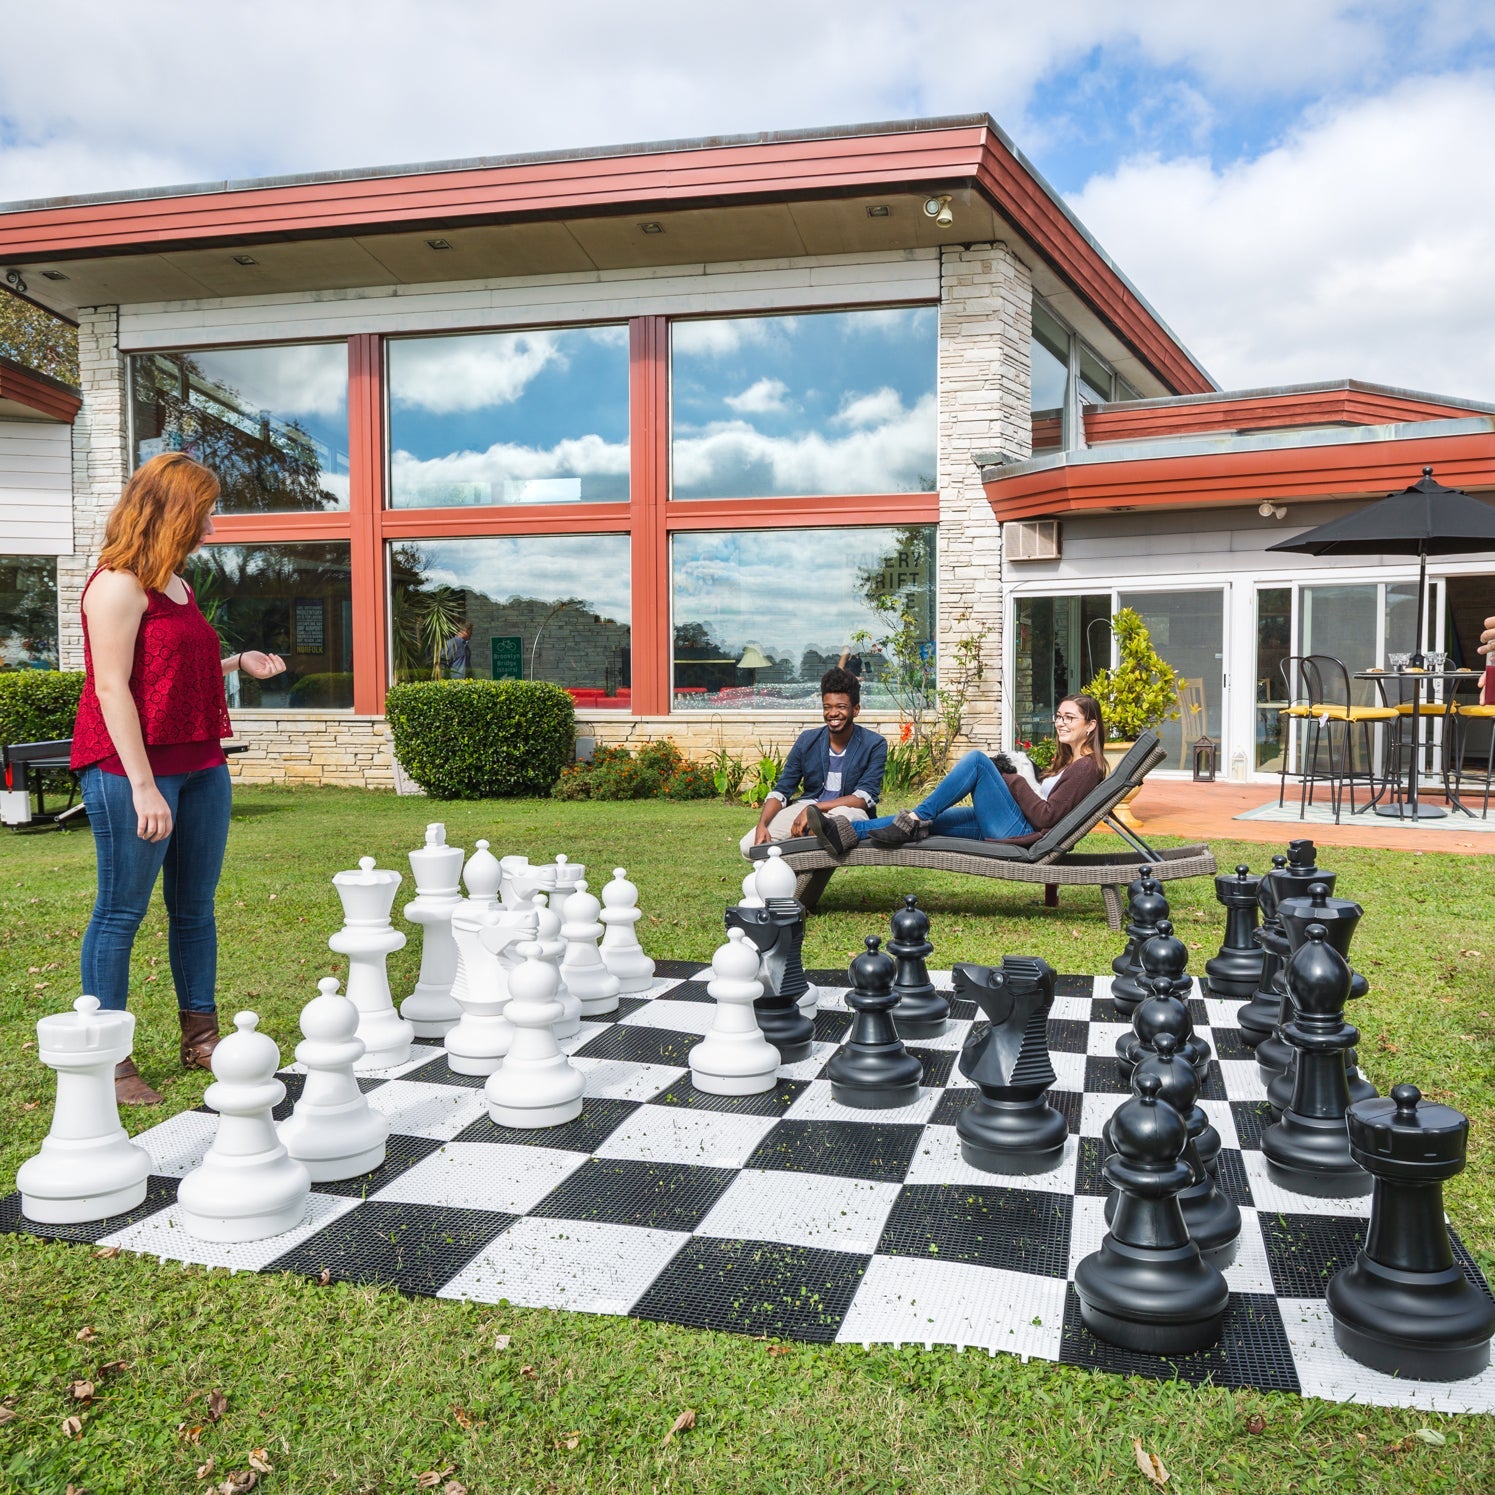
355 1389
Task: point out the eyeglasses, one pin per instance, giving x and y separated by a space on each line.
1068 721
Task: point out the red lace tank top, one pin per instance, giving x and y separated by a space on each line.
177 684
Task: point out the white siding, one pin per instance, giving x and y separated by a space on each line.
676 290
36 488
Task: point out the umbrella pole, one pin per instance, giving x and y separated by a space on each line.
1417 659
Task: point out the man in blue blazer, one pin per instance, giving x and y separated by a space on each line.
839 767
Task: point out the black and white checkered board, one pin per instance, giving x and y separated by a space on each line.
787 1215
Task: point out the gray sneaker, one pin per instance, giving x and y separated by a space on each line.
906 827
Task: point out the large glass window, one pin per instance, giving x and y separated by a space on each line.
272 422
28 612
292 600
1188 630
1274 690
1049 390
833 402
759 617
542 607
509 418
1061 642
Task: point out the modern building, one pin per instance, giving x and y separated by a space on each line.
678 425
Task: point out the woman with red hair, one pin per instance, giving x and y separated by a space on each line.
148 748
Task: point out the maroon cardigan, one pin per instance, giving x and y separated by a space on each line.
1075 782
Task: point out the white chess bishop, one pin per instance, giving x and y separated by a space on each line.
367 938
734 1058
582 970
482 875
87 1169
536 1085
431 1009
621 952
552 947
477 1044
775 878
333 1131
247 1186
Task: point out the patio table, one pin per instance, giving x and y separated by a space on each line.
1408 807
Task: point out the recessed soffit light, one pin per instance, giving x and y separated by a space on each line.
652 228
245 259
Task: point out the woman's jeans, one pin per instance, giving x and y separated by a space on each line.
191 857
992 815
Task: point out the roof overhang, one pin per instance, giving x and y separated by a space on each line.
747 197
27 395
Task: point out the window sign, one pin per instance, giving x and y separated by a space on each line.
310 629
508 657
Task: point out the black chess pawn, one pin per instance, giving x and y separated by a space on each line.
1149 1288
1214 1221
1165 960
1272 1052
922 1012
1257 1017
1308 1150
1404 1306
872 1070
1010 1127
1236 970
778 932
1146 906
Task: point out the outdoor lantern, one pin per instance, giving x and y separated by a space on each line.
1206 752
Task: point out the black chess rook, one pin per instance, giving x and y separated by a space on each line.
1235 971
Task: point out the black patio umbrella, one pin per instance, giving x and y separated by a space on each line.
1425 519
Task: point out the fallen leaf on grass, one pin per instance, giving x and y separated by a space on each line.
1471 954
1256 1423
463 1417
217 1405
113 1366
428 1479
7 1415
81 1391
204 1470
778 1349
105 1253
324 1278
528 1370
687 1419
1431 1435
237 1482
189 1435
258 1459
503 1341
1150 1465
86 1333
569 1440
72 1427
30 1105
454 1487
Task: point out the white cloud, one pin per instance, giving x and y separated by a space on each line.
453 375
481 475
309 379
875 409
762 398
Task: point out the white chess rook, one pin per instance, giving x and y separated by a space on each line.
734 1058
621 952
333 1130
536 1085
87 1169
582 970
552 947
431 1009
367 938
247 1186
477 1044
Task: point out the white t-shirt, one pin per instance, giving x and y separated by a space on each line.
833 774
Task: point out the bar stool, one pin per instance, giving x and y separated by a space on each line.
1332 706
1456 752
1401 750
1293 718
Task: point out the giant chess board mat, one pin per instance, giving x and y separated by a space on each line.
787 1215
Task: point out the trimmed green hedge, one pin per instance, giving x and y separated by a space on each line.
482 739
328 690
38 705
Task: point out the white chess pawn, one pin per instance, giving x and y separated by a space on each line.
621 952
367 938
477 1044
750 898
482 875
536 1085
734 1058
247 1186
515 869
567 874
582 969
333 1131
431 1009
775 878
87 1169
552 946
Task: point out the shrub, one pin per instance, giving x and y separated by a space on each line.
38 705
690 781
1142 691
482 739
659 770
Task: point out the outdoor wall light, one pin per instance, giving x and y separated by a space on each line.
438 244
245 259
878 210
53 275
1269 510
938 208
652 228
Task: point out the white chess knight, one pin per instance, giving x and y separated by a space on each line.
367 939
621 952
431 1009
333 1130
775 878
477 1044
536 1085
87 1169
734 1058
516 869
552 947
247 1186
582 970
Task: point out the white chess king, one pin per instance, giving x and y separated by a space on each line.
367 938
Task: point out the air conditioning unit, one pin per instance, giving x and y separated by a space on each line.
1032 540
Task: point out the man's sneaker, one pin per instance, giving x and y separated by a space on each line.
834 832
906 827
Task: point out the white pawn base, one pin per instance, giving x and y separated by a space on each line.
394 1049
80 1208
713 1084
472 1064
242 1229
809 1003
530 1118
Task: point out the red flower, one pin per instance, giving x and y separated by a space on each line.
905 732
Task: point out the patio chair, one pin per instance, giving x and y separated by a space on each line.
1295 717
1456 759
1333 706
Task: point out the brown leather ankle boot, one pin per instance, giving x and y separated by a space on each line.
199 1038
130 1089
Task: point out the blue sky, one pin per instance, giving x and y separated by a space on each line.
1302 188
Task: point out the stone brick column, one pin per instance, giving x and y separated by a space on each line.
986 322
100 466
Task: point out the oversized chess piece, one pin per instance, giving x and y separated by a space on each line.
482 875
1258 1015
872 1070
734 1058
87 1169
1149 1288
777 930
1213 1220
1146 906
1292 880
431 1008
1404 1306
367 938
247 1186
1010 1127
568 875
477 1045
750 898
333 1131
1236 970
582 970
775 879
1165 960
536 1085
1308 1150
552 948
621 952
922 1012
514 872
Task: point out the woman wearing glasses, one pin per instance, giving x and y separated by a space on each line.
1003 805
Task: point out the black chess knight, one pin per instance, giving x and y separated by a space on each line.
778 931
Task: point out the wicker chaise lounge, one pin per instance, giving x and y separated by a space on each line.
1049 861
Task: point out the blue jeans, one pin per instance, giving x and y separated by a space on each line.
191 856
992 815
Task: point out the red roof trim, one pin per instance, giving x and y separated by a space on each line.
37 392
